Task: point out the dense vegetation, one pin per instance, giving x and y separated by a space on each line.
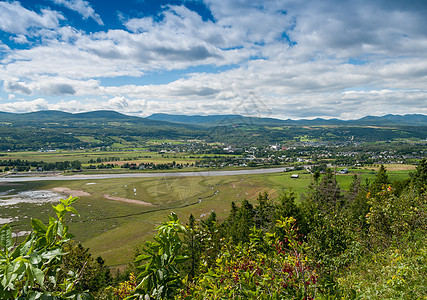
59 130
367 242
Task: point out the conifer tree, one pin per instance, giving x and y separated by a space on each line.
380 180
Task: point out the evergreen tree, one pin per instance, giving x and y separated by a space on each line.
245 220
264 212
419 178
326 196
192 247
358 205
380 180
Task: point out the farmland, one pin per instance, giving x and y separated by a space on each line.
112 228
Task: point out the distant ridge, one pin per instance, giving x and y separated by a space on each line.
410 119
103 114
407 120
194 119
207 121
62 130
98 116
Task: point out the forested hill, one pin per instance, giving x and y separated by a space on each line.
100 116
57 129
209 121
212 120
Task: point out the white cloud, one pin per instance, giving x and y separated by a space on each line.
326 58
118 103
16 19
82 7
19 39
25 106
345 105
17 87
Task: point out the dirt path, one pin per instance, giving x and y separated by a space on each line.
70 192
126 200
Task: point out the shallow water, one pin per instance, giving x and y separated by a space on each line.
5 220
33 197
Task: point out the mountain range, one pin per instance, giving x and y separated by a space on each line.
206 121
62 130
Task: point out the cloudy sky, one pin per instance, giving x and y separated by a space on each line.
273 58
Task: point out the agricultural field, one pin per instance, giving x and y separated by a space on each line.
117 158
118 214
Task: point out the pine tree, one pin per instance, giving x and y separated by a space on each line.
380 180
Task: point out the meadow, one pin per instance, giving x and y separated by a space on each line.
117 158
86 155
113 228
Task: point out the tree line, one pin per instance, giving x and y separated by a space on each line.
25 165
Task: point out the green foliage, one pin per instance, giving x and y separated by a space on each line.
93 273
358 206
193 247
380 180
30 269
327 195
396 272
419 177
368 242
286 207
160 276
243 223
263 268
390 216
264 212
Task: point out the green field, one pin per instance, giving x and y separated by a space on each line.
84 156
112 228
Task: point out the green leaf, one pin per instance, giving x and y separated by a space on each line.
51 233
142 257
38 226
7 273
71 200
38 275
35 258
60 207
60 229
16 252
6 237
72 209
49 255
180 258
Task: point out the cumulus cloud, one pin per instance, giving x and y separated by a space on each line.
118 103
17 87
326 58
18 20
82 7
25 106
19 39
61 89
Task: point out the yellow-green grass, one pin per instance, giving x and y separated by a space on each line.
117 243
88 139
113 229
165 141
86 155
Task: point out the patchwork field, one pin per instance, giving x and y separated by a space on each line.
137 156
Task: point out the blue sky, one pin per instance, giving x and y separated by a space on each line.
274 58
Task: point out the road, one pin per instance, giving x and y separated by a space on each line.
143 175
